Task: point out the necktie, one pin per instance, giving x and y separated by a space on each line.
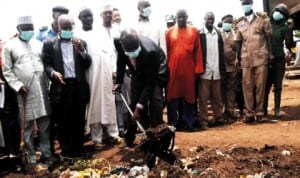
133 62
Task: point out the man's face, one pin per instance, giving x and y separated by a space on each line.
142 5
181 18
86 17
130 46
66 25
25 27
209 21
116 17
228 20
107 17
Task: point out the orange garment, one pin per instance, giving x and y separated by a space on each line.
184 61
1 46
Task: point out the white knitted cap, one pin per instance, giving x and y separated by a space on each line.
25 20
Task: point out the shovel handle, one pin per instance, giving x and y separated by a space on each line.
131 113
22 124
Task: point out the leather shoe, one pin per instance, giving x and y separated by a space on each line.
189 128
249 119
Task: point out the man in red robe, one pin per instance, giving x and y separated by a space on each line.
185 63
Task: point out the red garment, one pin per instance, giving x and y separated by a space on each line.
184 61
1 46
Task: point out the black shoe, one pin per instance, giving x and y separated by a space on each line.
189 128
121 134
249 119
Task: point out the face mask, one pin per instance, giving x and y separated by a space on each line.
134 54
277 16
247 8
227 26
147 11
66 34
27 35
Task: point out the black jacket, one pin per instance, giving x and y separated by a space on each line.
221 51
53 61
145 76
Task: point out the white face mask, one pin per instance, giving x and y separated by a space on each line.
27 35
277 16
134 54
247 8
147 11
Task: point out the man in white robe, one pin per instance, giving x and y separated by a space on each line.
24 71
101 111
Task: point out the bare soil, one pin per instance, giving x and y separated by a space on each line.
238 150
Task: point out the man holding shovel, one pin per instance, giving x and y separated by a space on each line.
142 56
24 72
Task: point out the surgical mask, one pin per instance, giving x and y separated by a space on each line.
134 54
27 35
66 34
247 8
147 11
277 16
227 26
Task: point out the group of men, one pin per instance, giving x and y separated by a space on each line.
180 66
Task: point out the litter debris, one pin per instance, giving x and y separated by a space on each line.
286 153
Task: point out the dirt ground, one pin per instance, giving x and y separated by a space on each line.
237 150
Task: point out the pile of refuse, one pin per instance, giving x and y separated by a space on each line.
97 168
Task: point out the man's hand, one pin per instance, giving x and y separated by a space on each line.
116 88
1 82
59 77
78 44
136 114
23 90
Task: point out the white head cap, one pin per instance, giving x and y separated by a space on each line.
106 7
25 20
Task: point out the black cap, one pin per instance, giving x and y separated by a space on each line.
60 9
283 9
226 16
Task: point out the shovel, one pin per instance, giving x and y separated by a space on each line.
131 113
22 126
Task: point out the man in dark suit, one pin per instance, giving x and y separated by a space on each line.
142 56
66 59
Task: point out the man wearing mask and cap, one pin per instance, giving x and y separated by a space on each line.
253 36
52 32
281 35
24 72
230 60
66 60
142 56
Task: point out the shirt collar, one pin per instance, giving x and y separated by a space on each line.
207 32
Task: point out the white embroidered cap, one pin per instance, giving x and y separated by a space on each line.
25 20
106 7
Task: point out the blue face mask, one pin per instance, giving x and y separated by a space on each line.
277 16
247 8
27 35
66 34
147 11
227 26
134 54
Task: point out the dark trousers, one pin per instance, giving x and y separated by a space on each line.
135 93
70 113
188 109
275 77
156 107
239 92
11 133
